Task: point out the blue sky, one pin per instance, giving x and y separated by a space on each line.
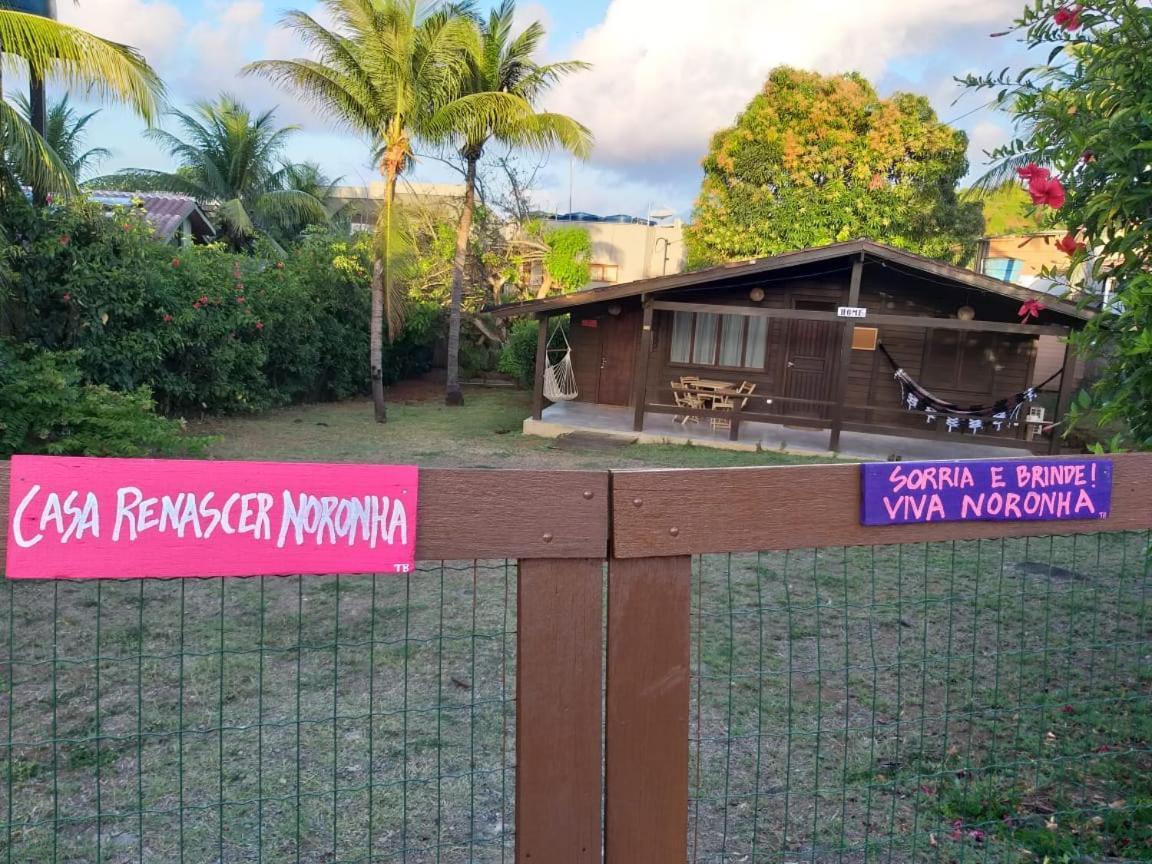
667 73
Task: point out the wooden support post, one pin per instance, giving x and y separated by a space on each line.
646 747
1064 400
845 356
640 369
541 360
558 711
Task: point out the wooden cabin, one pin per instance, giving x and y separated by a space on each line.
815 337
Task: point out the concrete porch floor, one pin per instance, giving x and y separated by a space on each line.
564 417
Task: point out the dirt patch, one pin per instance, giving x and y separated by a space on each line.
593 441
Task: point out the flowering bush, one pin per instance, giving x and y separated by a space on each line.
1083 112
206 330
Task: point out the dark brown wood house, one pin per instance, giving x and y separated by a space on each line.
820 334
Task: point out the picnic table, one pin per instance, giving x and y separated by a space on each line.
709 395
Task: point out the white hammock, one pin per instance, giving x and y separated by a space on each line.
559 379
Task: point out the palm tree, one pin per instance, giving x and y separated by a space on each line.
81 61
504 64
65 132
390 70
230 161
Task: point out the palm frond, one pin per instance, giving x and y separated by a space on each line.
80 60
32 158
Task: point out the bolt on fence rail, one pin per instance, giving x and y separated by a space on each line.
758 678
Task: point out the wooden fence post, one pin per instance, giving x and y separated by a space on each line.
646 731
560 618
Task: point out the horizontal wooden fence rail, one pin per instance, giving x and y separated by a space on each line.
694 512
471 514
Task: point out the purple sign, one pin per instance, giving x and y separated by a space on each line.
985 490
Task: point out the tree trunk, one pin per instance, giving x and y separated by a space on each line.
39 122
545 286
376 340
453 395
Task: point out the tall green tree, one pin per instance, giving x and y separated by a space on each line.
818 159
1082 148
231 161
505 63
392 71
79 61
65 132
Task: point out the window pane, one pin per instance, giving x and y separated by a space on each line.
704 351
731 340
757 342
682 336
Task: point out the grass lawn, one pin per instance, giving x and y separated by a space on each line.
485 433
983 701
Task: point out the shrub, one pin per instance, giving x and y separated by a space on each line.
44 408
205 329
518 358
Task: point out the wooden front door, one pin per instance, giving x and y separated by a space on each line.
618 340
810 362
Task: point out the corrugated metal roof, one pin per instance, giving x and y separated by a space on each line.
166 212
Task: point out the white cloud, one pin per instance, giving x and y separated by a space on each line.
666 76
151 26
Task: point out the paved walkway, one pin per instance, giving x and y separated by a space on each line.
566 417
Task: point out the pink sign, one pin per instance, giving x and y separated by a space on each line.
140 518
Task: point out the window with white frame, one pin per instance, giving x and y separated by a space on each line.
711 339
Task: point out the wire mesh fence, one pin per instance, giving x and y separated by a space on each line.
963 701
268 719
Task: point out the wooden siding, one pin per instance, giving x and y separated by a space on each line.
872 396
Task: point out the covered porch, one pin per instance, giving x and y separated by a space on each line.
855 349
616 421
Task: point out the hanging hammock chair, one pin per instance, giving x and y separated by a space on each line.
559 379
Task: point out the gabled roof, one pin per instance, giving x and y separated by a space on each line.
711 276
165 212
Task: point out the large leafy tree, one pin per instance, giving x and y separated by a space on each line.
817 159
390 70
1083 146
504 64
65 132
231 161
56 52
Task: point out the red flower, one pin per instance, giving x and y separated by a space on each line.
1068 709
127 226
1068 17
957 830
175 262
1030 309
197 305
65 239
977 835
239 299
1046 192
259 325
67 298
1031 171
167 319
1088 157
1069 245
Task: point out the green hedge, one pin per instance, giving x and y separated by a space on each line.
45 408
206 330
